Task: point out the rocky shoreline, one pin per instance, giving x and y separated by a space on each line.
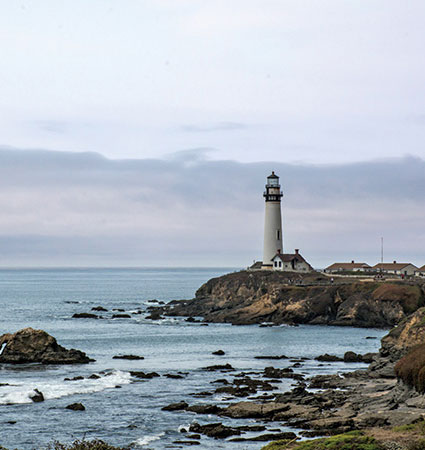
255 297
386 393
323 405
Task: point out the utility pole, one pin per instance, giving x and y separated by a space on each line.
382 249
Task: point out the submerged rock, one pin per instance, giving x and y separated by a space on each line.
219 353
129 357
76 407
37 346
85 316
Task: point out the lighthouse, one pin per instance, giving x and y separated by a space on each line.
272 222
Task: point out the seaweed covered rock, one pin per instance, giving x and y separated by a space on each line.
37 346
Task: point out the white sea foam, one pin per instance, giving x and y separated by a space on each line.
145 440
20 392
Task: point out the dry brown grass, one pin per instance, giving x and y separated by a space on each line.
411 368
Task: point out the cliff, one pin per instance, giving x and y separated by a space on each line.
264 296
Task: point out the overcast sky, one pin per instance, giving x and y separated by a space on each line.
141 132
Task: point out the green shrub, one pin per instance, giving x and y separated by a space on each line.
411 368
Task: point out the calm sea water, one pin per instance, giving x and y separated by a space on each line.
120 409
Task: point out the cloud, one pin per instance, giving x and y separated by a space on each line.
220 126
82 208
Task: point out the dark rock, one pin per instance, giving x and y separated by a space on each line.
173 376
271 372
204 409
192 320
154 315
118 309
369 357
121 316
129 357
328 358
94 376
352 357
36 346
175 406
85 316
218 367
221 380
267 437
219 353
202 394
193 436
99 308
77 378
243 410
143 375
186 442
271 357
252 428
214 430
76 407
37 397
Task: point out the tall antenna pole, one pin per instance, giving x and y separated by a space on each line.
382 249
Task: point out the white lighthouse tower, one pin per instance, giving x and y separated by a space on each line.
272 222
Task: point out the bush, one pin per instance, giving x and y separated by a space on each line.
411 368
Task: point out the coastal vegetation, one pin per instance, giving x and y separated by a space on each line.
353 440
411 368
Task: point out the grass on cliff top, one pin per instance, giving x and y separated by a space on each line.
354 440
411 368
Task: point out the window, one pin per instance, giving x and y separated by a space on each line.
280 263
275 263
278 234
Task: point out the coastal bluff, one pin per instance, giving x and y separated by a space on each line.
255 297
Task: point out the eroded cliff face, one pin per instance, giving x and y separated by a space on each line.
254 297
409 333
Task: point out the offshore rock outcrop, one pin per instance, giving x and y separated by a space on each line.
37 346
250 297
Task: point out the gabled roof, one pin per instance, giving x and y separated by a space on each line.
421 269
348 266
288 257
392 266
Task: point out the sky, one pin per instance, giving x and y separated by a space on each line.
141 132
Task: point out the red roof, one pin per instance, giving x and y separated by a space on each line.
392 266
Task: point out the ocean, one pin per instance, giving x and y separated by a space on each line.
121 409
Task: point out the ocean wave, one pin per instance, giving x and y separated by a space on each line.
19 392
145 440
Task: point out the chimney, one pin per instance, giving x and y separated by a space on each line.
278 251
297 250
352 262
394 262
